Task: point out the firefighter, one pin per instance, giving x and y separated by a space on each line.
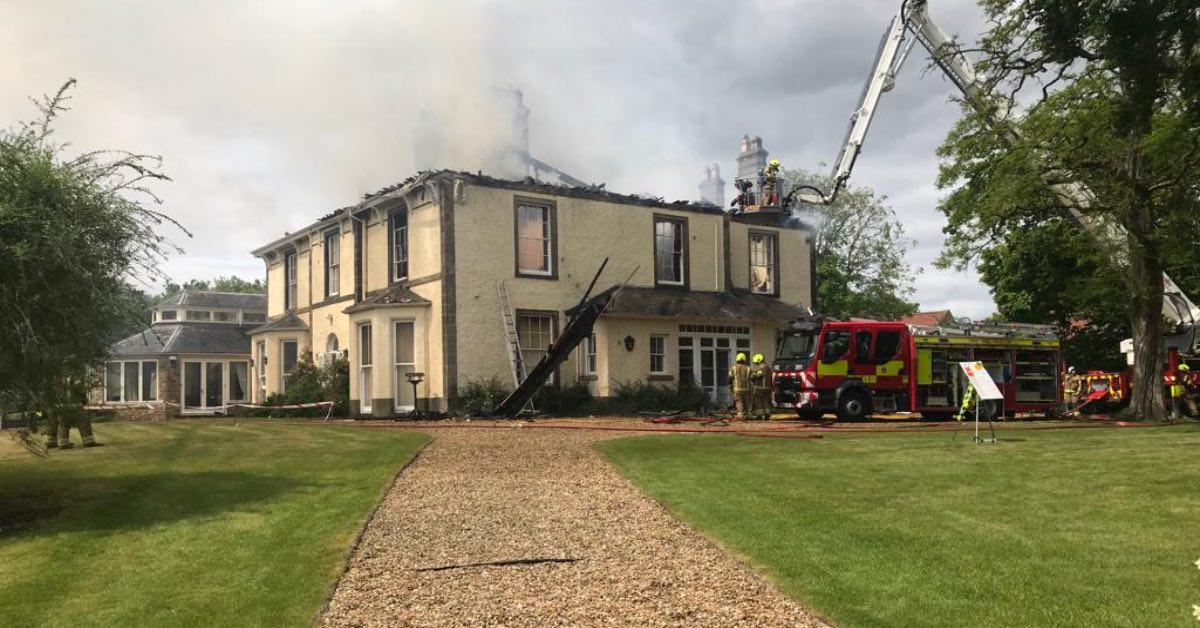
739 377
770 180
968 400
761 380
1180 404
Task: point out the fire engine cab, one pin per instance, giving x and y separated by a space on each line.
859 368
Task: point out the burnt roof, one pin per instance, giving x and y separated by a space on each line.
205 298
185 338
676 303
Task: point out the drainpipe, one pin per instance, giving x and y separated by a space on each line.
728 275
716 257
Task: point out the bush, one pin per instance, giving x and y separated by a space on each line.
478 397
572 400
636 396
309 383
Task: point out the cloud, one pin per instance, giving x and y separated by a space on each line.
269 114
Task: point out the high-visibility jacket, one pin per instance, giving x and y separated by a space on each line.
739 375
1176 386
760 378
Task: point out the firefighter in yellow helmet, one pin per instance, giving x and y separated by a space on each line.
1180 403
739 379
770 184
761 379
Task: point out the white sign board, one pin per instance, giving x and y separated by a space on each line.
981 380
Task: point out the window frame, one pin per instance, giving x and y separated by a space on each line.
139 382
554 331
284 375
291 283
333 263
684 253
774 268
662 354
174 315
552 216
394 275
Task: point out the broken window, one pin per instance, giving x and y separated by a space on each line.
535 239
399 237
669 251
333 254
289 273
763 269
658 355
535 332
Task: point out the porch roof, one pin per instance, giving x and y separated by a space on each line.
394 296
287 322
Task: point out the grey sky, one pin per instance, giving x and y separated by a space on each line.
269 114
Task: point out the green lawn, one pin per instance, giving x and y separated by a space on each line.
1052 528
187 523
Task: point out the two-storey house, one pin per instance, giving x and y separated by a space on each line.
407 280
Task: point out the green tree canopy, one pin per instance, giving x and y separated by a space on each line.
220 283
75 231
1100 92
860 253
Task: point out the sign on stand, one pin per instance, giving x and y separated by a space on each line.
985 389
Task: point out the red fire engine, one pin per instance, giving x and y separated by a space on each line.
856 369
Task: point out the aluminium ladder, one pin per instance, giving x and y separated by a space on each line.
512 340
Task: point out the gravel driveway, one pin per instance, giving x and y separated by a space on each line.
517 527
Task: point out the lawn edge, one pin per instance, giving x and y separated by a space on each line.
362 529
745 560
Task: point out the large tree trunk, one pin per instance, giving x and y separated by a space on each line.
1147 401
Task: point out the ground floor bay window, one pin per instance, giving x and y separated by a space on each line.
212 385
131 380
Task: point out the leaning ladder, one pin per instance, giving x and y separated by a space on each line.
512 340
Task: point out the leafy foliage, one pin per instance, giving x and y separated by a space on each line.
1050 274
74 231
637 396
860 249
232 283
1106 93
478 397
310 383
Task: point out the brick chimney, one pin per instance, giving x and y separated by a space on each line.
712 188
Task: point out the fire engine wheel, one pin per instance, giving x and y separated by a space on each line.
853 405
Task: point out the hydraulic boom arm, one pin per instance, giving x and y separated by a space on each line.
913 18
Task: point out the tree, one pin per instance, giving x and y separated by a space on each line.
860 249
1051 274
1102 92
74 231
220 283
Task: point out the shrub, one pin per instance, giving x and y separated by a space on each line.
637 395
478 397
572 400
309 383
